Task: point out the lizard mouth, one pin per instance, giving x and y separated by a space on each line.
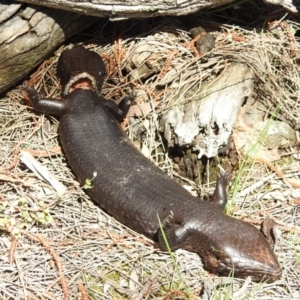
257 273
259 270
81 81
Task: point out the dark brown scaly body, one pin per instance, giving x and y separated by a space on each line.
135 192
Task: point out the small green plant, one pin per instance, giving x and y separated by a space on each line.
44 217
17 215
297 256
250 154
174 260
88 182
28 216
4 222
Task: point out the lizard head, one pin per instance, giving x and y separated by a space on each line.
80 68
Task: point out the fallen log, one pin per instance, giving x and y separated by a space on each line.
125 9
28 34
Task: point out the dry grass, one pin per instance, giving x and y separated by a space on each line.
68 247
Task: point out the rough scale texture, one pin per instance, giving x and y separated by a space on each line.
135 192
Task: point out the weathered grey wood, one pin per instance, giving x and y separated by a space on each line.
206 121
28 34
120 9
130 8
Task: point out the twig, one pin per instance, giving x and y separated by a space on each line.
146 289
84 295
293 182
12 250
58 262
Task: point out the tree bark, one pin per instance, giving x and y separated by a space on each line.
28 34
123 9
